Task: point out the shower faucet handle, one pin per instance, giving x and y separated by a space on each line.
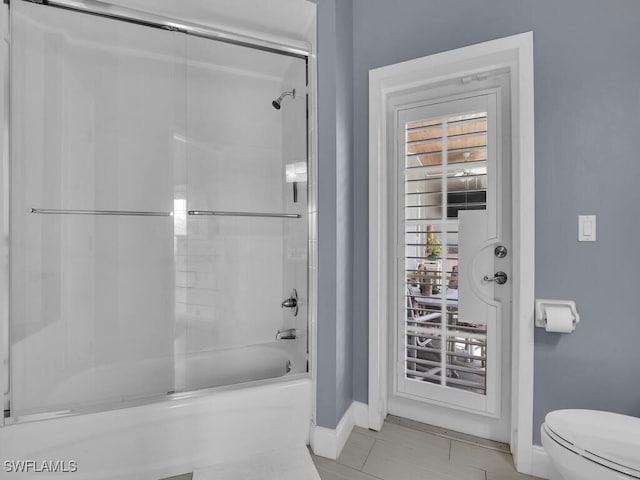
292 302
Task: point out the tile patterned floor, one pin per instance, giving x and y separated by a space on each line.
405 450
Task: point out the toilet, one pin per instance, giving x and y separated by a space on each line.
592 445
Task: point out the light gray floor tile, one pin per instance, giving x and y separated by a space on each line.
509 476
356 450
330 470
291 463
404 451
394 461
479 457
400 435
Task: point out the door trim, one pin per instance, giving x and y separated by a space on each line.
516 54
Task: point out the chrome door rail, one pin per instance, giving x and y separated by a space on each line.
47 211
219 213
139 17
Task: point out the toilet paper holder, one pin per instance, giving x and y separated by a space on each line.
542 303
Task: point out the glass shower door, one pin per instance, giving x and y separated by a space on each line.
245 248
97 108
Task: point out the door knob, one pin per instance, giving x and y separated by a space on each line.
500 251
500 278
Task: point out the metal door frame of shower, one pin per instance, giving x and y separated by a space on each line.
304 50
5 340
139 17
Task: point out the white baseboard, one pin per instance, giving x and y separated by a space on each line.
329 442
541 465
361 414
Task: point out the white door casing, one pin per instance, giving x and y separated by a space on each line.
515 55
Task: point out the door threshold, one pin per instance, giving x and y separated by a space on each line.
451 434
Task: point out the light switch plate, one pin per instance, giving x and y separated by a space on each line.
586 228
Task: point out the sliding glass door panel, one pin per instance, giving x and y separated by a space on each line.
98 110
244 155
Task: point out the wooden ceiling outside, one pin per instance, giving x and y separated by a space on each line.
466 142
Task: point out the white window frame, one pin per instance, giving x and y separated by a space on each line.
516 54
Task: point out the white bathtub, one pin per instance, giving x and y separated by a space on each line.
243 364
195 371
183 431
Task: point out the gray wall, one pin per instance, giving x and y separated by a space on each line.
335 211
587 72
587 87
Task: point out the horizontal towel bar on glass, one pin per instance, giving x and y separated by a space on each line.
219 213
46 211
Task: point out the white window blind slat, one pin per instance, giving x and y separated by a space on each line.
445 173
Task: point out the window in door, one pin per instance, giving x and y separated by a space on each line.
445 173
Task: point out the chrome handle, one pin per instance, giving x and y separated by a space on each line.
221 213
500 278
49 211
292 302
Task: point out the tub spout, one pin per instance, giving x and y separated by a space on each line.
288 334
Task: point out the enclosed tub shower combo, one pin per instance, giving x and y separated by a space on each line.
159 227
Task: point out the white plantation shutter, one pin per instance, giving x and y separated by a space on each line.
445 172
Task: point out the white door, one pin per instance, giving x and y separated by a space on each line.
453 250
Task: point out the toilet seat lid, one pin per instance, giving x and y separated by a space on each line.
611 437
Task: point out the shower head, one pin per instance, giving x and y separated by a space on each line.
277 103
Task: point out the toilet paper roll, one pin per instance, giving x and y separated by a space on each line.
558 318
